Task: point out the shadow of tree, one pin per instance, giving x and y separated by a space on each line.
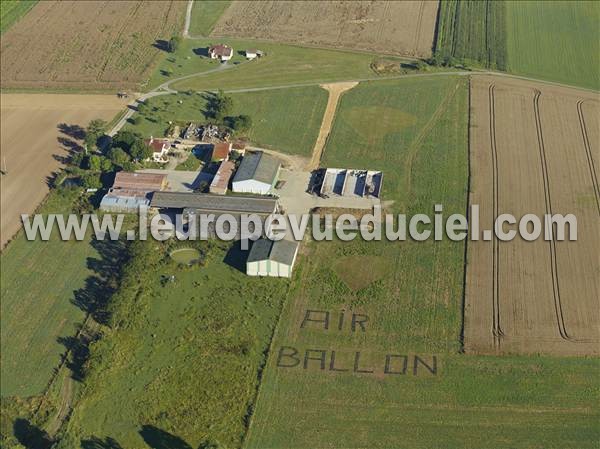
75 131
159 439
99 443
79 350
30 436
201 51
236 257
161 44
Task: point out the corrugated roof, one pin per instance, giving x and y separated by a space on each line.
282 251
221 150
139 181
257 166
207 202
223 175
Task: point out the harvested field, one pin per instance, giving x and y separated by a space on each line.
33 143
534 149
87 45
401 28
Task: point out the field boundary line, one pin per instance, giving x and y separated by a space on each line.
588 152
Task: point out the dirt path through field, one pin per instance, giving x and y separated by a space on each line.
335 92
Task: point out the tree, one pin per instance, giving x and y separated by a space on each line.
118 157
222 106
94 162
94 131
106 164
139 151
125 139
173 44
241 123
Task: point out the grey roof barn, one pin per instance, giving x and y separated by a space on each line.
258 166
282 251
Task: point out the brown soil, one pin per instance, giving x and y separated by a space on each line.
392 27
534 149
88 44
32 145
335 92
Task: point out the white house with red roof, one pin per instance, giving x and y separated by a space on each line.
160 149
220 51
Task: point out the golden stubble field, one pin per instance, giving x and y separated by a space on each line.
402 28
88 44
33 142
535 149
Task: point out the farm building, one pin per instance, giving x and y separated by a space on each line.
215 204
272 258
220 51
159 147
347 182
220 151
253 53
132 190
258 173
220 182
239 147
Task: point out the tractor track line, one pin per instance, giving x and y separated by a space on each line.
418 30
588 153
548 202
496 327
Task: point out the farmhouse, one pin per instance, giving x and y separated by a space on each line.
159 147
132 190
258 173
272 258
220 182
220 151
220 51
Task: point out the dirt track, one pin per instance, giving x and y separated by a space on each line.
335 92
534 149
30 141
402 28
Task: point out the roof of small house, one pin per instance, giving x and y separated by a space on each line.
223 175
221 50
251 51
221 150
282 251
138 181
157 145
258 166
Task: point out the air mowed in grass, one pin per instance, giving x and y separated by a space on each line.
556 41
184 354
287 120
378 364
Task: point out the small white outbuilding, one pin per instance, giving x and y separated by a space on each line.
272 258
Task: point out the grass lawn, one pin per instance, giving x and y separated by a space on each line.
205 14
13 10
557 41
284 119
282 65
46 288
413 307
183 366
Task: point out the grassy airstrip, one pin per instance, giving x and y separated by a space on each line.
285 119
13 10
282 65
205 15
414 308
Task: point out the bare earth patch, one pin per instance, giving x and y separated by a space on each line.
534 149
392 27
33 141
335 92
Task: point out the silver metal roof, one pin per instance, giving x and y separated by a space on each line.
258 166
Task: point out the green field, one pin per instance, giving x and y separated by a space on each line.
556 41
184 356
413 308
550 40
46 288
13 10
205 14
473 31
282 65
284 119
